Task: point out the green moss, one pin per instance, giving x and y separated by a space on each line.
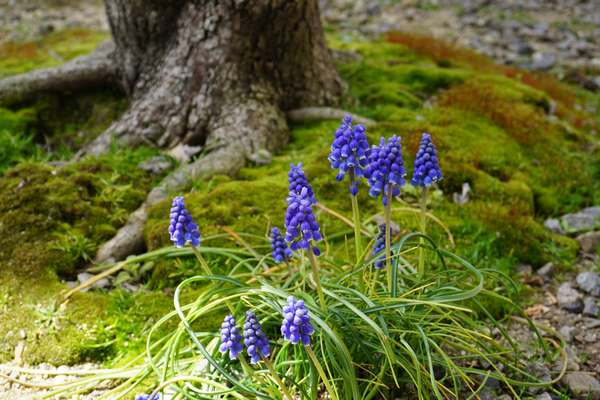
49 51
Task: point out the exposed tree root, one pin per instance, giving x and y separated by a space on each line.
242 129
324 113
130 238
95 70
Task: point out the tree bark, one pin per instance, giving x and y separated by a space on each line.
215 73
187 64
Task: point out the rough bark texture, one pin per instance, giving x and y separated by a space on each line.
187 64
95 70
217 73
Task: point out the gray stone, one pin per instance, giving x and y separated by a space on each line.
553 225
547 271
567 332
524 269
261 157
543 396
582 221
590 307
85 276
589 282
569 298
582 384
543 61
521 48
596 81
156 165
589 241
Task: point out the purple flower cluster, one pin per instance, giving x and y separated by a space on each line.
255 340
182 227
349 152
296 324
427 169
300 222
281 251
297 181
147 397
231 341
385 171
379 247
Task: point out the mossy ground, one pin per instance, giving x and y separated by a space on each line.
492 127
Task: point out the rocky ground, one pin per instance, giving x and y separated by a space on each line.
561 36
17 384
565 306
24 20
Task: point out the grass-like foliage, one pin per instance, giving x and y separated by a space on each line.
412 321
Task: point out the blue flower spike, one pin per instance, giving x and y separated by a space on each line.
182 227
255 340
147 397
385 171
296 326
302 228
427 168
281 251
349 152
379 247
231 340
297 181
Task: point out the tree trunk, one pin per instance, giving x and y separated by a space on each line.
189 65
216 73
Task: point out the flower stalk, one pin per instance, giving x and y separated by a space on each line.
317 278
321 371
286 393
388 238
423 228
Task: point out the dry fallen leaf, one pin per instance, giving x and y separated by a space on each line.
537 310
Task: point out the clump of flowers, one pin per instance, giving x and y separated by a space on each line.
255 340
182 227
300 223
147 397
281 251
427 168
231 341
349 152
379 247
385 171
297 181
296 324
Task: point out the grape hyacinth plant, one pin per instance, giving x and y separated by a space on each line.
182 227
231 340
302 230
349 152
255 340
427 168
385 173
379 247
373 343
426 172
147 397
297 181
281 251
296 326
